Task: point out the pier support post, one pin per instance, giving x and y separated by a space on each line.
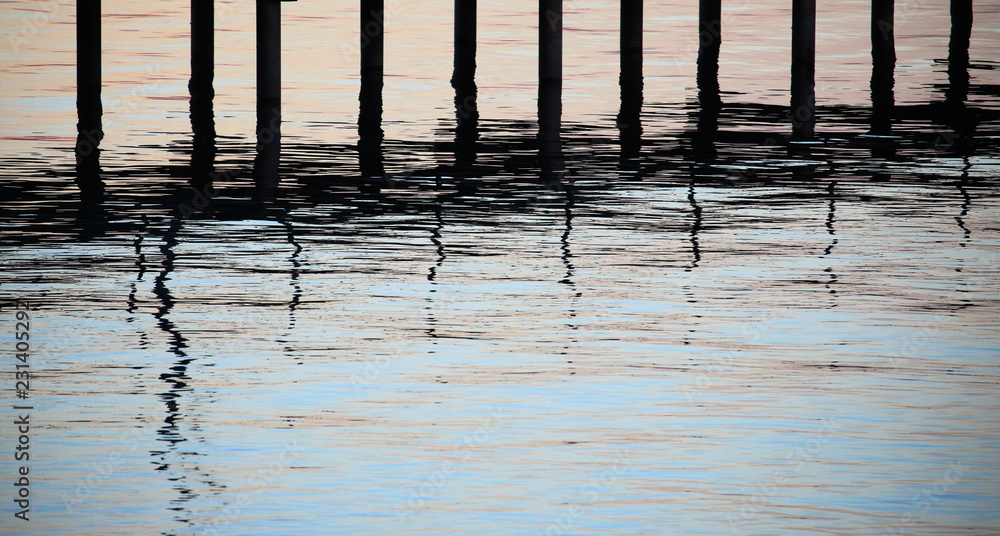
88 66
464 82
268 93
709 100
372 72
709 44
465 45
88 99
883 66
202 90
550 19
958 51
630 80
956 113
803 102
202 48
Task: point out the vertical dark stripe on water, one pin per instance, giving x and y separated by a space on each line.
202 90
629 118
803 102
268 94
88 100
550 18
372 67
464 82
883 66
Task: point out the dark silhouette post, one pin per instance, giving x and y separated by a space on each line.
883 66
372 67
958 51
957 115
709 101
202 91
550 16
268 93
709 44
202 47
465 44
88 65
803 68
88 99
464 82
629 122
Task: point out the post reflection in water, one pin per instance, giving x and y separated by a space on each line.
961 184
177 378
696 225
830 220
293 280
567 260
173 459
133 301
432 271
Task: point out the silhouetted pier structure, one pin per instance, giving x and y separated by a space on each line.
801 111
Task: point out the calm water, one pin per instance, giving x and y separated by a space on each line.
698 336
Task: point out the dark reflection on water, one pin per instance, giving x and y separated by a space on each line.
294 273
432 271
178 460
746 155
830 220
567 259
695 228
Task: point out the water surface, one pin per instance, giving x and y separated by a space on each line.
690 336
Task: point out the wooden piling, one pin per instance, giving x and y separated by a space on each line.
550 19
709 45
372 52
883 66
803 101
464 81
268 91
955 111
958 50
88 68
88 101
202 90
372 73
465 44
202 47
709 99
630 80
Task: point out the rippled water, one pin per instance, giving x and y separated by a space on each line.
694 336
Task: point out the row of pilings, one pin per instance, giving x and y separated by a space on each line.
802 105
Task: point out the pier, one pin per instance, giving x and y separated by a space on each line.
801 113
